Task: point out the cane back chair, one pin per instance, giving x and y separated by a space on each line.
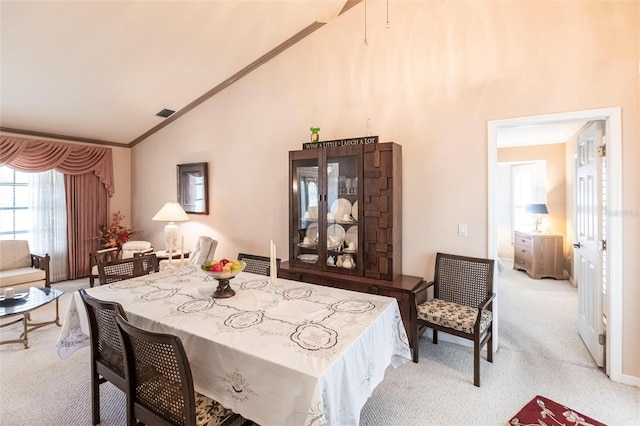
462 304
123 269
101 256
160 383
257 264
107 355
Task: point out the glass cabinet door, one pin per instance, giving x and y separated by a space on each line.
305 209
343 236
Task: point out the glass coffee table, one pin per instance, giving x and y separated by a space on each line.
24 302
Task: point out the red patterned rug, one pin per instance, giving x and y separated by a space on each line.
541 411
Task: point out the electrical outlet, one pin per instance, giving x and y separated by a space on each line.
462 229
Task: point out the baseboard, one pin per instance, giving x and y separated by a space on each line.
630 380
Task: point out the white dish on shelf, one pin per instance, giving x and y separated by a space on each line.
312 232
351 236
346 222
310 245
340 207
313 212
308 258
335 234
354 210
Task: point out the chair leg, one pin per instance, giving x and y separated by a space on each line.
91 281
490 346
95 398
476 363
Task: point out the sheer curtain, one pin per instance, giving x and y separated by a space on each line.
49 214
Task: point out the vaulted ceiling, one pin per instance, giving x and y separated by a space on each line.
100 70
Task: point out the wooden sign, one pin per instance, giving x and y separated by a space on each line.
365 140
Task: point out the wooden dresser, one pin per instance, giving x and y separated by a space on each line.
539 255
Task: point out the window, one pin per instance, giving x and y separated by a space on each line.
15 216
529 185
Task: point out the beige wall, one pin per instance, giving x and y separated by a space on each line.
430 83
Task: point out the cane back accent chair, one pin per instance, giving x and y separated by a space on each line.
462 304
107 354
101 256
257 264
123 269
160 384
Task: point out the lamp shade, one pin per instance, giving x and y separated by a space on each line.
171 212
537 209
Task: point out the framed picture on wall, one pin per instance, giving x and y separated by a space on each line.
193 187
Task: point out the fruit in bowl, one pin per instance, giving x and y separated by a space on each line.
223 268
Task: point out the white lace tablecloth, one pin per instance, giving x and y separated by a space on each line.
312 359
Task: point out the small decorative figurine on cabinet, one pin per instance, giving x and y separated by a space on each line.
315 137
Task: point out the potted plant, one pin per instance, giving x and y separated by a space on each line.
315 137
115 235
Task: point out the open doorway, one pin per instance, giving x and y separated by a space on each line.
612 118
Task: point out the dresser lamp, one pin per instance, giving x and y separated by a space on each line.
171 212
539 210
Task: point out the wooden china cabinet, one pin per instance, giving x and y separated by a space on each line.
345 223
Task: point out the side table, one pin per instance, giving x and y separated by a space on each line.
163 254
23 304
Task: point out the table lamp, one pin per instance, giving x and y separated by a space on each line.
171 212
538 210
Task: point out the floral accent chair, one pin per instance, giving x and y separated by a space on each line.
160 383
462 304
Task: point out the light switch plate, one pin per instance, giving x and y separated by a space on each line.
462 229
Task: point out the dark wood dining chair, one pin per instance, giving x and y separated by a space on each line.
257 264
118 270
101 256
107 354
462 304
160 383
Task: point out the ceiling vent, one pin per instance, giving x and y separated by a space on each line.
165 113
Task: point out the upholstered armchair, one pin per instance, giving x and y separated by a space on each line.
136 248
205 250
20 268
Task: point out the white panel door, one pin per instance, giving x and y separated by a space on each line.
586 252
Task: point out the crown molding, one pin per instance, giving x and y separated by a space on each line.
27 132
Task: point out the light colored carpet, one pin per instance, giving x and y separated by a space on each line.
540 354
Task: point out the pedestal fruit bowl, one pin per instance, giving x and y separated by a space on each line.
222 271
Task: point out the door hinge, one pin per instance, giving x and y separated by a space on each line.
602 339
602 151
602 245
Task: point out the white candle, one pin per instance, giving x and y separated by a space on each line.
182 251
273 263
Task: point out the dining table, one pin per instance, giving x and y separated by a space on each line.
278 353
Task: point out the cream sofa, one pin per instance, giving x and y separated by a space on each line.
19 268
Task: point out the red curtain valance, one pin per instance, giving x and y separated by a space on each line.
29 155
